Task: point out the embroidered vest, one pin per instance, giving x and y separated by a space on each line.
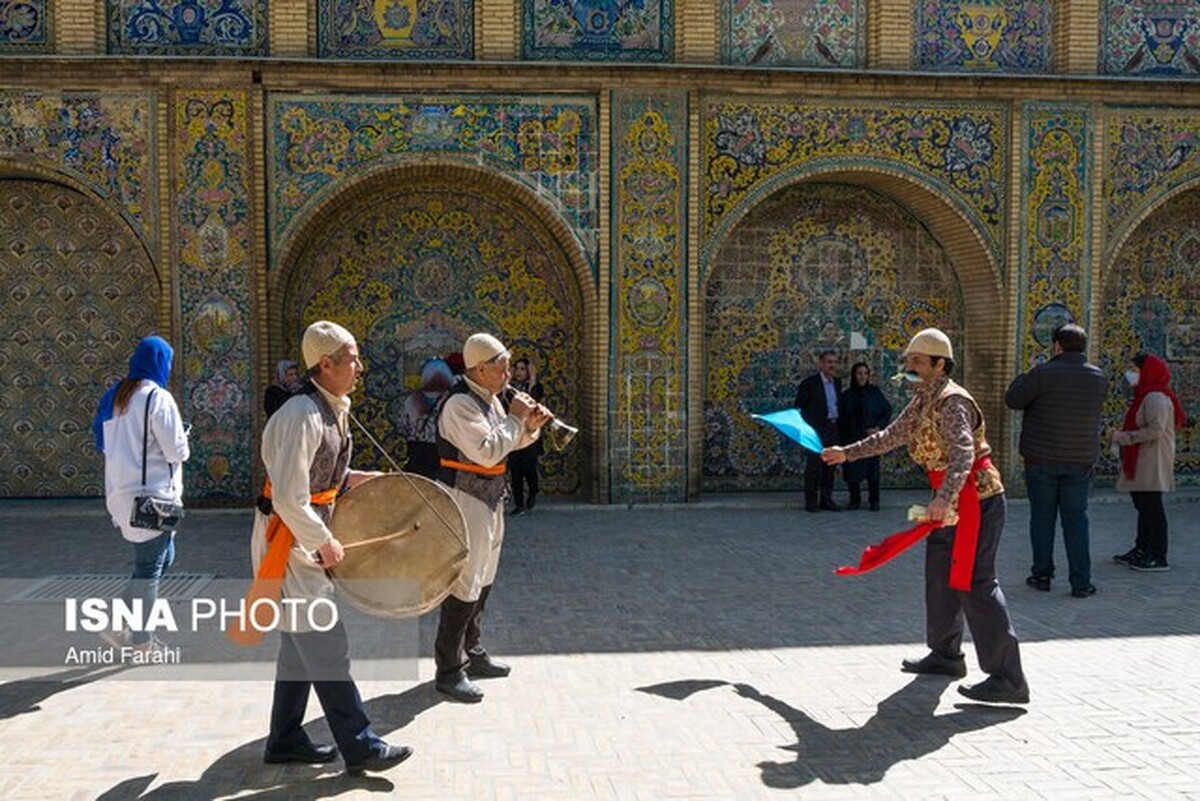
489 489
332 459
928 449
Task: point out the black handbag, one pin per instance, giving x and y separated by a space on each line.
149 512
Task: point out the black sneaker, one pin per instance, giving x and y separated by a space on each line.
1129 556
1041 583
1149 564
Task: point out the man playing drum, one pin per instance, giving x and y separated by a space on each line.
475 436
306 449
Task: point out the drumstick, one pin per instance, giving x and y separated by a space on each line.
373 541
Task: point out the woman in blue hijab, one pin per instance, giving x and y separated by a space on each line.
138 415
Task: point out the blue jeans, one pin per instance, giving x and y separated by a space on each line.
150 560
1059 489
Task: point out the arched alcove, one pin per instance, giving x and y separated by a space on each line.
413 260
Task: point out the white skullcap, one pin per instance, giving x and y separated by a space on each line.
323 338
930 342
480 348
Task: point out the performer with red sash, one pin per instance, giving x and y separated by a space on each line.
943 428
306 449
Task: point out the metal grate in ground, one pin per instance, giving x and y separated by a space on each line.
173 587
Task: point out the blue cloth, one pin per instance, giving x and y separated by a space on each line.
1056 490
151 360
150 561
790 423
831 397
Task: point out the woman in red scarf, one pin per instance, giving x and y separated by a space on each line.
1147 443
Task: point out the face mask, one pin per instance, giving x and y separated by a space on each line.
1132 377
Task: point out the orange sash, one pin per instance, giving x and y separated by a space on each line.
966 534
494 470
268 581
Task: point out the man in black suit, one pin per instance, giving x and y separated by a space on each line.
817 400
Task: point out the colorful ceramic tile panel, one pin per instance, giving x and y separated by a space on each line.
79 291
26 25
814 267
105 142
794 33
396 29
1151 303
212 185
983 35
752 147
647 432
1150 152
413 271
598 30
547 143
1056 229
1150 37
187 27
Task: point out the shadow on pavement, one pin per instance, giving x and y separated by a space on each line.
903 728
242 769
26 695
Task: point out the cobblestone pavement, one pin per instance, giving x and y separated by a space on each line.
700 651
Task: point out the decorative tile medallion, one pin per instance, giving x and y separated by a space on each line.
648 412
983 35
794 33
396 29
547 143
26 25
413 271
815 267
1151 303
753 147
1150 37
598 30
213 186
106 142
1056 229
187 27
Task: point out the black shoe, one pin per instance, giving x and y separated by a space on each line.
520 510
460 688
1149 564
874 506
1133 554
484 667
385 757
830 506
936 664
995 690
1041 583
310 754
811 508
1084 592
854 504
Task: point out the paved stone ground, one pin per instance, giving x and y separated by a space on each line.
704 651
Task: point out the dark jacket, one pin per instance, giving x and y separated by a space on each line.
1062 400
863 408
810 400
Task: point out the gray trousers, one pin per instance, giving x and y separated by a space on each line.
983 608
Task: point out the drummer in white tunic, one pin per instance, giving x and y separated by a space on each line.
475 435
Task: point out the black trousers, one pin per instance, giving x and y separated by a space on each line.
818 476
459 634
983 608
523 468
1152 523
863 469
320 661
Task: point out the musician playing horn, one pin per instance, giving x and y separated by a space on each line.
306 449
475 435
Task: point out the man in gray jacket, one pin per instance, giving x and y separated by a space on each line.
1060 443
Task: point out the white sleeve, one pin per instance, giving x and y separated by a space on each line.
290 442
167 427
465 426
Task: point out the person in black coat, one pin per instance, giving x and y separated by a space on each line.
523 463
864 411
817 400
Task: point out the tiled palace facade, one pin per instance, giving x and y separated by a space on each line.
671 205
